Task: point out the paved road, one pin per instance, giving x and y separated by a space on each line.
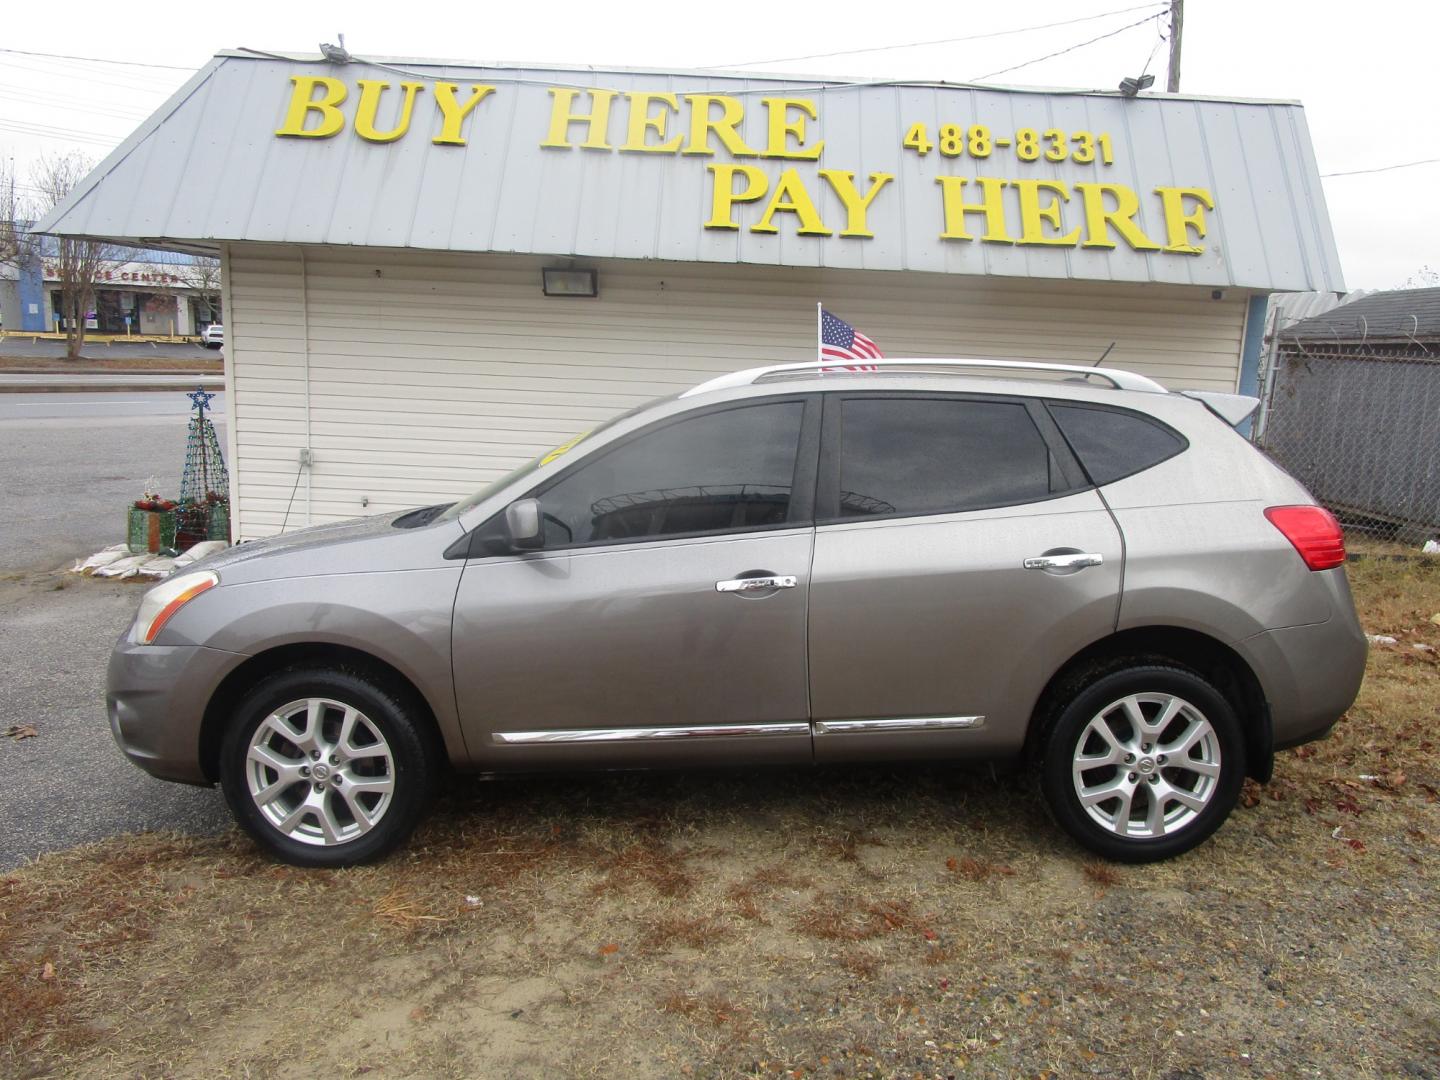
69 784
69 465
54 350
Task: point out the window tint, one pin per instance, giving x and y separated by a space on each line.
1111 444
720 472
929 456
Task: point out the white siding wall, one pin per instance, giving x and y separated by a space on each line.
431 373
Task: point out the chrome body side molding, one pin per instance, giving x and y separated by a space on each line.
648 734
899 724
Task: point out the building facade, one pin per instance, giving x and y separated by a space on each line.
384 229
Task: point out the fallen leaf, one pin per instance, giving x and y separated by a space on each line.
609 949
48 971
21 731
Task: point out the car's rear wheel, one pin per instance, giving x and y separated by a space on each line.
327 768
1145 763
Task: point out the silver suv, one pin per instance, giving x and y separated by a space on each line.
930 560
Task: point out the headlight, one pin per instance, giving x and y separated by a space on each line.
165 599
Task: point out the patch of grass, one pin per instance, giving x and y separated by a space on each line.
972 869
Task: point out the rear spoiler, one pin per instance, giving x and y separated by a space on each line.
1234 409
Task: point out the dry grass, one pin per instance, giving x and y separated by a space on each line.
853 924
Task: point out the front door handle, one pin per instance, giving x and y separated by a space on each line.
1073 561
749 584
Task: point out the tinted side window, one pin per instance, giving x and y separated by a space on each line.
1111 444
933 456
720 472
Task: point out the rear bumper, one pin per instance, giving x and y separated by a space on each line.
156 697
1310 675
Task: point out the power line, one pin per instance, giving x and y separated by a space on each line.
937 41
1383 168
1072 48
98 60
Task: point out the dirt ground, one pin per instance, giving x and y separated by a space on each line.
866 923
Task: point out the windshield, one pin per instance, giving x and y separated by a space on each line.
530 466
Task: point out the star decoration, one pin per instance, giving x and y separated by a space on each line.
200 399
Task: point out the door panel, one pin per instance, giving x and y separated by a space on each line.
630 655
937 617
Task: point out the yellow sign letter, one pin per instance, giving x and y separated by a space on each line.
1098 219
453 113
365 112
991 204
756 184
702 124
791 198
596 121
302 102
782 126
642 123
1034 217
1178 223
855 204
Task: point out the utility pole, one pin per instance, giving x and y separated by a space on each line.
1177 26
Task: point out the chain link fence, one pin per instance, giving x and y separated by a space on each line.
1360 427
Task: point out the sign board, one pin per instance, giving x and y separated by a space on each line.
714 167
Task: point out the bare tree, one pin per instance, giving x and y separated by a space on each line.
77 263
16 243
202 277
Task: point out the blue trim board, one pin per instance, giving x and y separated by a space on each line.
1250 351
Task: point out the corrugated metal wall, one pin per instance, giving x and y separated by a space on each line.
429 374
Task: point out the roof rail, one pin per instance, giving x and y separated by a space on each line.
1120 380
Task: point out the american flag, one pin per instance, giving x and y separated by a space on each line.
841 341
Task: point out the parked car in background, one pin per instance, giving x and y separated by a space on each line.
213 336
934 560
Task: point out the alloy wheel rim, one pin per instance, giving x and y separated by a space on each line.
320 771
1146 766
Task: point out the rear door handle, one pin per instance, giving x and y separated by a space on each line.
1075 561
747 584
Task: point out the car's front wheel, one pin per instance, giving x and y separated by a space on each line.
1144 763
327 768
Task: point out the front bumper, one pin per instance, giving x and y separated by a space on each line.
156 697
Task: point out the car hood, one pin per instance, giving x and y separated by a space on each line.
358 545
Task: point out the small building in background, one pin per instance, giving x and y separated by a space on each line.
138 291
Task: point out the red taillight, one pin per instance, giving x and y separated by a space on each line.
1314 532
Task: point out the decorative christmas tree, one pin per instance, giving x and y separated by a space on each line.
204 512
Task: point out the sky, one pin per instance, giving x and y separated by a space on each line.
1365 72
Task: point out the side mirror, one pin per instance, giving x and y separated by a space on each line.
522 523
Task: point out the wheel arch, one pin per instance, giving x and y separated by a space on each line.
1206 656
226 695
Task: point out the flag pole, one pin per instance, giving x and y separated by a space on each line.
819 330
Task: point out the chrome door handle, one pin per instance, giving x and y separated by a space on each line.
1075 561
747 584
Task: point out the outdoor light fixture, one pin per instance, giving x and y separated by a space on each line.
1130 87
561 282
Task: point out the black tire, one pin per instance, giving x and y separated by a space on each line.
411 763
1123 838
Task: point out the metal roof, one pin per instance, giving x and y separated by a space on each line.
208 168
1397 315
